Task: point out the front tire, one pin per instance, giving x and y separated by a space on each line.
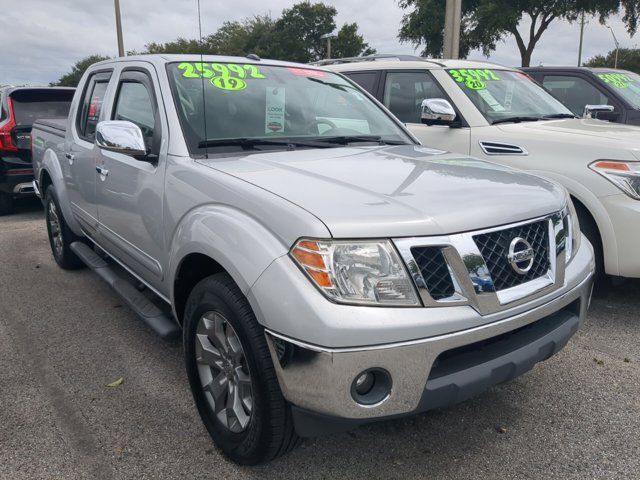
231 375
60 235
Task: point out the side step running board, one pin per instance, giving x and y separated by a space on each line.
149 313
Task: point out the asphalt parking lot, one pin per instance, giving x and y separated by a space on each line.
64 336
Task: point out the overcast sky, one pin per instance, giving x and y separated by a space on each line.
41 39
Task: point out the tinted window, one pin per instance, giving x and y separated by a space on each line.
135 105
574 92
91 108
271 102
626 84
28 106
501 95
366 80
405 91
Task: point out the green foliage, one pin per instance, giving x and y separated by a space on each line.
485 22
628 59
295 36
72 78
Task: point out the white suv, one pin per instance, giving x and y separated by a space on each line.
499 114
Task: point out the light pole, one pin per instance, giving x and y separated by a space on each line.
582 24
452 21
119 29
328 37
615 65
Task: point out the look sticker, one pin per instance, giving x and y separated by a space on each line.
474 79
618 80
224 76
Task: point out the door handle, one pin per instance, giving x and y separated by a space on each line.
71 157
102 171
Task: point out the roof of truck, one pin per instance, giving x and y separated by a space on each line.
160 59
574 69
390 61
353 63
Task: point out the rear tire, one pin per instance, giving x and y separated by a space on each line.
6 204
215 307
60 235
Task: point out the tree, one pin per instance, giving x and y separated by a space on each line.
295 36
485 22
349 43
72 78
628 59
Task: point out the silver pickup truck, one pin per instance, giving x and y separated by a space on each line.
323 268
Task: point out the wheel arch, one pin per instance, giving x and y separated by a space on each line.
219 238
52 172
593 206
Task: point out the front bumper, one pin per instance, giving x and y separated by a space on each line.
435 370
624 213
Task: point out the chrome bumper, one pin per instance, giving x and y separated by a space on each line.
320 379
26 188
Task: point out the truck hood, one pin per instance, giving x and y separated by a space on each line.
396 191
586 131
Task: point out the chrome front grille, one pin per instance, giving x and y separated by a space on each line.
435 272
494 248
483 269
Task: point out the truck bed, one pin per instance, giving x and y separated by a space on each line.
56 126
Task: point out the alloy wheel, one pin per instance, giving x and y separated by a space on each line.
223 371
55 229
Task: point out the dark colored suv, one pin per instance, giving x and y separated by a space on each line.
578 87
19 108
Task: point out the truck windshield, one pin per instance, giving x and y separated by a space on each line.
627 85
248 106
508 96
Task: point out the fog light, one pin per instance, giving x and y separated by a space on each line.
364 383
371 387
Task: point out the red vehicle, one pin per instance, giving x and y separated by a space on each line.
19 108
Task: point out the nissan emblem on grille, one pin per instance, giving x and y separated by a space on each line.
521 255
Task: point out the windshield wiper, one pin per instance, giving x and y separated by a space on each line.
515 120
347 139
558 115
250 143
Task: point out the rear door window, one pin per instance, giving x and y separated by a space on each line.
405 91
92 106
575 92
367 80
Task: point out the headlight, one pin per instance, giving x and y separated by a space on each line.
356 272
624 175
572 229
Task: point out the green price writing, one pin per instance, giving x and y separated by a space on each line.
474 79
618 80
225 76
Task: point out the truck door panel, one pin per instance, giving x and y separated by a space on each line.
79 161
129 191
